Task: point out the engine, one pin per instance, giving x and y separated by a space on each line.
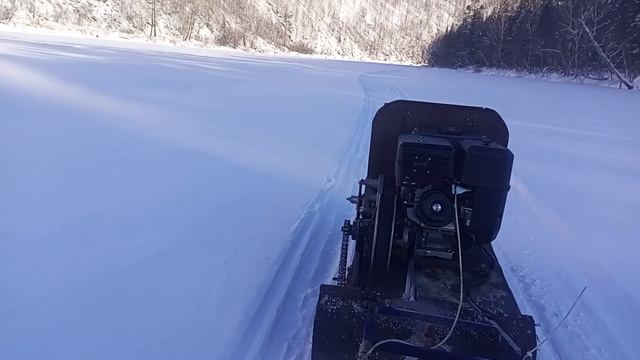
436 175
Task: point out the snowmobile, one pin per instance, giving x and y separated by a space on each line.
423 280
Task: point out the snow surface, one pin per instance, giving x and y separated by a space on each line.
165 205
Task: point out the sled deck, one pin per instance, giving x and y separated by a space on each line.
435 191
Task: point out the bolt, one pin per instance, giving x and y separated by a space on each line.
436 207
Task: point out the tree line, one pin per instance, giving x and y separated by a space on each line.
586 38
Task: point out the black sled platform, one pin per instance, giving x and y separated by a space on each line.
431 205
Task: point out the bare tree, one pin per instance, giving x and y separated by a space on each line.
499 27
575 32
8 11
605 58
152 32
32 8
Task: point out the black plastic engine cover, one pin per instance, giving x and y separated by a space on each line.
485 167
484 163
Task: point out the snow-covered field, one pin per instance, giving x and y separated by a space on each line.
165 205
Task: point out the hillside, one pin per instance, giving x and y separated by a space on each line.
392 30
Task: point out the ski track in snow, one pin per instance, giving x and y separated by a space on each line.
281 327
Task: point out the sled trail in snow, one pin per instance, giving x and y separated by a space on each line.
281 327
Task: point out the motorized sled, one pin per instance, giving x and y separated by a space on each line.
426 214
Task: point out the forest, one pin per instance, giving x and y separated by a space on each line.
583 38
